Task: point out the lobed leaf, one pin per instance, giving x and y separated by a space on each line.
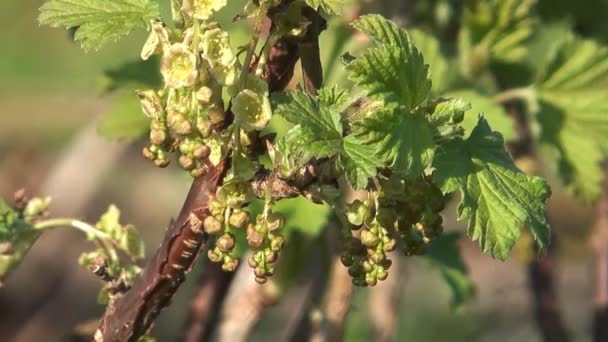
393 71
403 142
497 198
573 113
494 30
98 21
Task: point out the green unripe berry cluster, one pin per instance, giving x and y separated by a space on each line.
412 207
264 237
366 256
223 223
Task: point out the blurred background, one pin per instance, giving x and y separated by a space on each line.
51 101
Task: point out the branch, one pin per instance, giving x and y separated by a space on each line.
206 304
541 270
310 57
244 305
337 304
599 242
130 316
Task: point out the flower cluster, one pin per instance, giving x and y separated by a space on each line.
264 237
366 256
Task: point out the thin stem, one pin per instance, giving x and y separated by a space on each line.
103 238
522 94
255 37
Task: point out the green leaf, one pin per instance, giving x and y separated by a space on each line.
319 133
98 21
16 239
446 116
131 243
321 128
394 70
444 253
125 120
336 98
403 142
358 161
493 112
134 74
328 6
573 113
497 198
494 30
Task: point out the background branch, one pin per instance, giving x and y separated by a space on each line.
599 243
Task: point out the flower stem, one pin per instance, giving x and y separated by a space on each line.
103 238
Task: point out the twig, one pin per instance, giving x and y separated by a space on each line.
599 242
310 57
337 304
206 304
541 270
244 305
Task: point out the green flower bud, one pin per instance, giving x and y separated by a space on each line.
252 110
226 243
251 261
369 239
151 104
161 162
212 225
277 243
148 154
254 238
370 280
201 152
214 256
230 266
186 162
239 220
357 212
274 221
216 115
377 257
271 256
260 280
198 172
389 245
179 66
158 136
382 275
158 40
259 272
204 95
178 123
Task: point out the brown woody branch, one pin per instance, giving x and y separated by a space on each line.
131 315
207 302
